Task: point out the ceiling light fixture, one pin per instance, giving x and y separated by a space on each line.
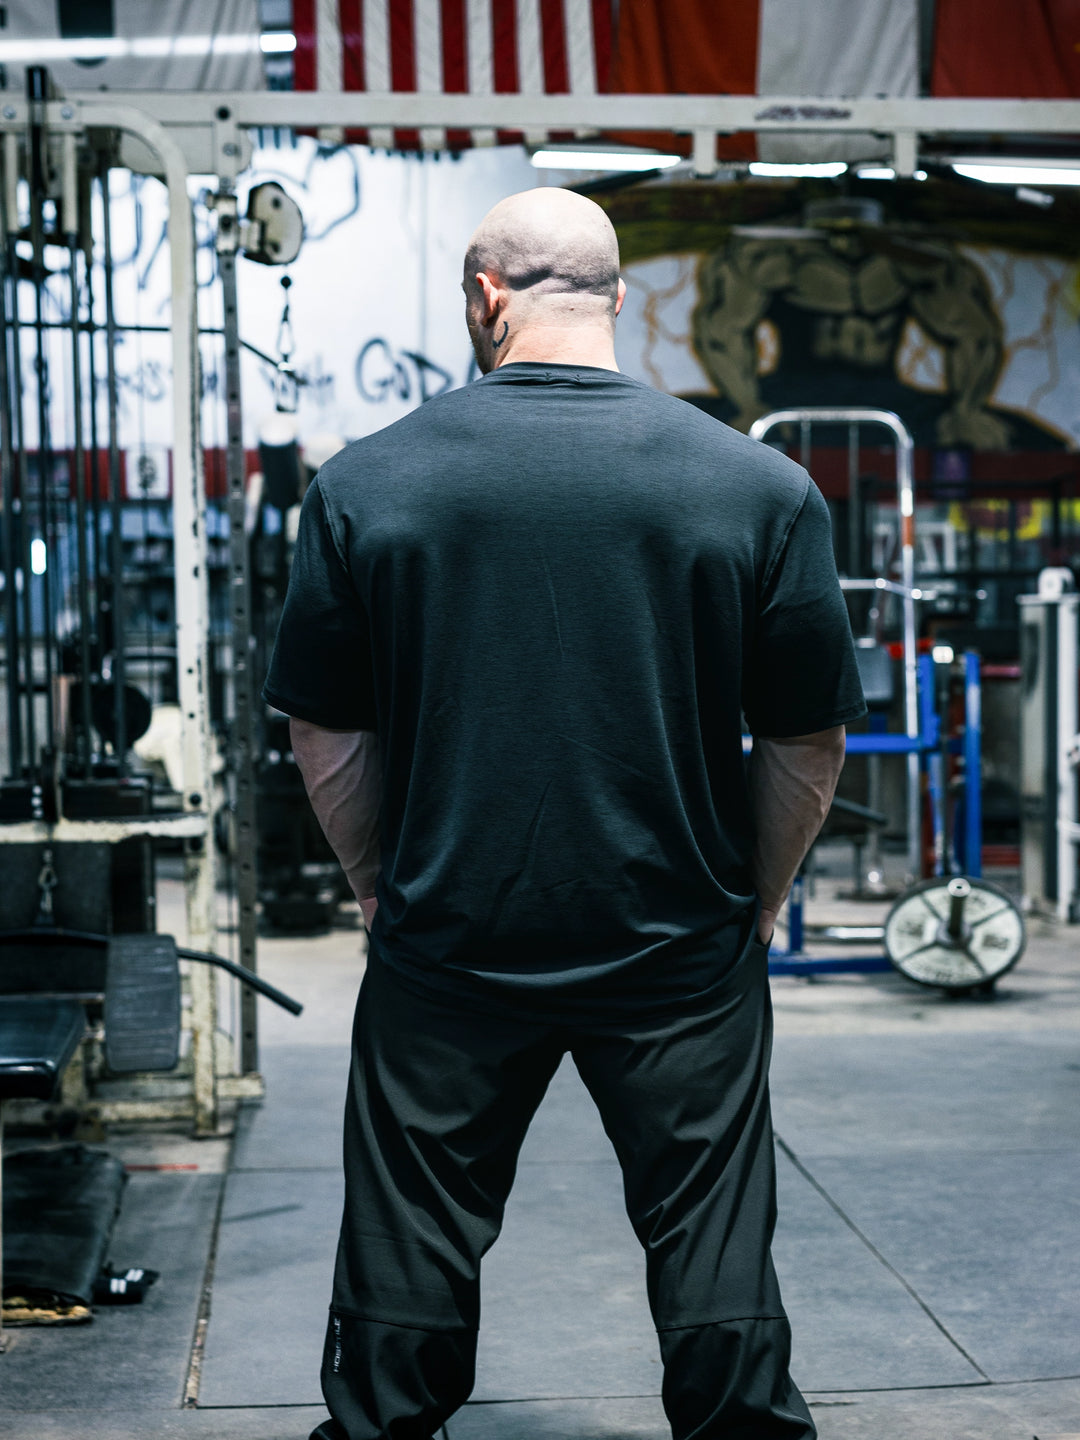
552 158
823 170
1017 172
277 42
885 172
140 47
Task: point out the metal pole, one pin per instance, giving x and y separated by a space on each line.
935 762
192 607
12 519
854 535
972 764
11 195
242 727
1068 724
116 548
36 84
70 215
87 234
905 485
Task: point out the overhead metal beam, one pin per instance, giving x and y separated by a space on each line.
721 114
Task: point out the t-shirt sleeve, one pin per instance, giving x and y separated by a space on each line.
802 674
321 669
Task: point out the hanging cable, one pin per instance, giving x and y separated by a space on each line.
286 385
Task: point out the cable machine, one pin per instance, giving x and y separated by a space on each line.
78 819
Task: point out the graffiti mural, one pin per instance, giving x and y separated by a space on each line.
973 345
377 314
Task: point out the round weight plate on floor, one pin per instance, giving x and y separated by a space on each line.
957 934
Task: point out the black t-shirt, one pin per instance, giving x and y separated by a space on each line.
554 594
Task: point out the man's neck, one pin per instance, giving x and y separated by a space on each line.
558 345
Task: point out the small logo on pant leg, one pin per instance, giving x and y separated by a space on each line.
337 1345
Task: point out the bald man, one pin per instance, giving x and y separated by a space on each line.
522 630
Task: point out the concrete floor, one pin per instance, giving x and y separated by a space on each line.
929 1163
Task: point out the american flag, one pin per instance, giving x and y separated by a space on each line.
453 47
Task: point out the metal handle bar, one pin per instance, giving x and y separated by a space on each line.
254 982
56 935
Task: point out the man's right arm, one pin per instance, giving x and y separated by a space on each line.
792 782
343 777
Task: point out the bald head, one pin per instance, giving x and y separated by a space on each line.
553 258
550 242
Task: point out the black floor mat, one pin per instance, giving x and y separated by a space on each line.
60 1204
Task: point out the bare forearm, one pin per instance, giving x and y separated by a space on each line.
343 776
792 782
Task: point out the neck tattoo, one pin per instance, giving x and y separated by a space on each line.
506 331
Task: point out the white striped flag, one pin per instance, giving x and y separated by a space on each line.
452 47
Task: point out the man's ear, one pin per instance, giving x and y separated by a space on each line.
620 295
491 297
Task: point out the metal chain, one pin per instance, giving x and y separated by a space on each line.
46 885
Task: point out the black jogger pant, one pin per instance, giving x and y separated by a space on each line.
440 1097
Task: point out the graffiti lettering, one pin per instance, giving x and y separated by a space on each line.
149 380
380 373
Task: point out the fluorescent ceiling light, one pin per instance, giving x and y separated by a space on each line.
1012 172
554 159
143 47
825 170
277 42
884 172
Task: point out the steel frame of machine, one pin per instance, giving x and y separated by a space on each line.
193 825
203 132
910 742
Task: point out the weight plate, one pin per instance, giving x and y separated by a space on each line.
918 943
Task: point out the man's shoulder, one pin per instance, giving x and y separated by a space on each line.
722 450
406 436
695 441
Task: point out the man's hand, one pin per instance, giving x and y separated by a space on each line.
792 782
343 775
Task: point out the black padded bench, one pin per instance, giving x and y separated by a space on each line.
52 973
39 1035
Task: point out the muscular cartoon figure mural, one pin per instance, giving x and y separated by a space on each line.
819 319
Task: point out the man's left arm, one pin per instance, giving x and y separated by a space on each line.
343 776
